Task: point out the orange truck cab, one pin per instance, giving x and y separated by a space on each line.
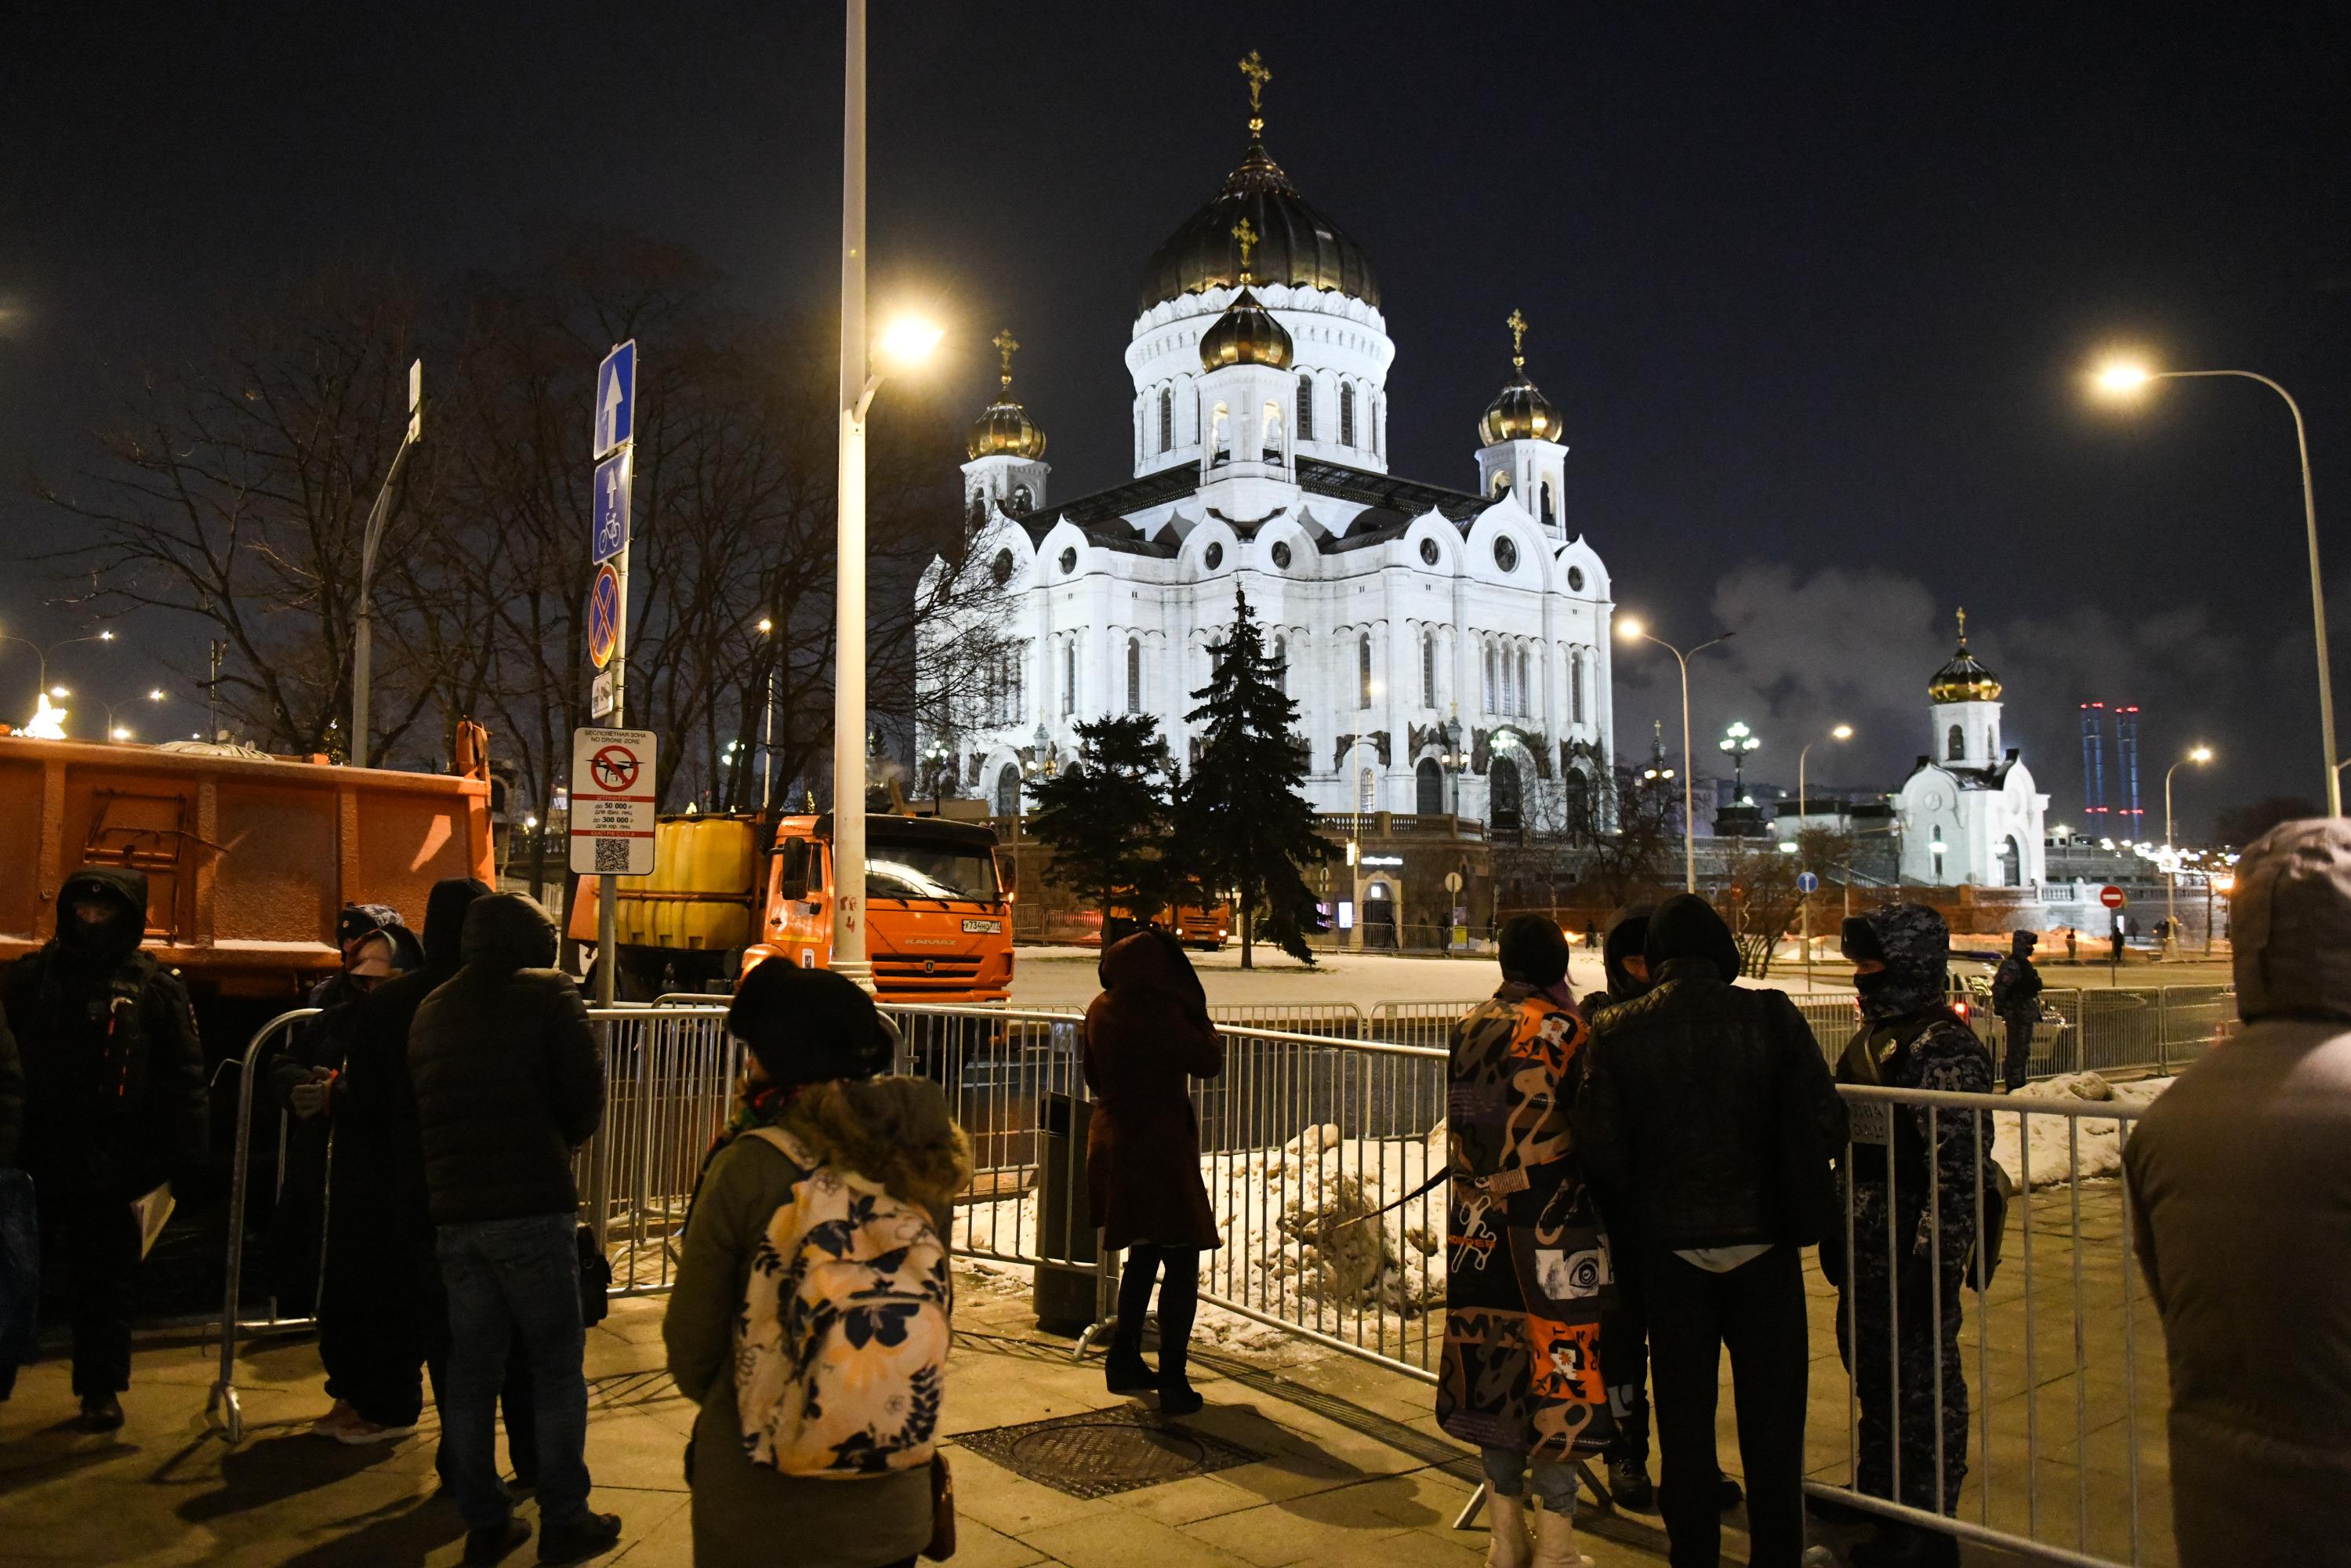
939 916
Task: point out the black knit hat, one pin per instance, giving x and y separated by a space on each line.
1686 926
807 1025
1534 951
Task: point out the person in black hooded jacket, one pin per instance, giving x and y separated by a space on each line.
115 1105
1710 1105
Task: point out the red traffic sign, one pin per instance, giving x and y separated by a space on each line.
604 616
613 768
2113 897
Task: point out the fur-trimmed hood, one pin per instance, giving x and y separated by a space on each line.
894 1130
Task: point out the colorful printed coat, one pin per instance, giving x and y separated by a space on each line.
1528 1272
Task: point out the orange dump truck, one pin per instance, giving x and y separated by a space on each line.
248 860
938 915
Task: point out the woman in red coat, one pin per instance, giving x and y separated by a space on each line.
1145 1034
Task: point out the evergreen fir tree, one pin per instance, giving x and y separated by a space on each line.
1242 822
1106 819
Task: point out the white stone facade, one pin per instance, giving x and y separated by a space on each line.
1970 812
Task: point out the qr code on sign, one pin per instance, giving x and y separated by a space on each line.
613 855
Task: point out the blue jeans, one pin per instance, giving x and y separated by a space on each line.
1506 1475
509 1276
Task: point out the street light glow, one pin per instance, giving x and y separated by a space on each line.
59 692
908 341
766 626
1842 732
120 733
2120 378
2202 754
1629 629
155 696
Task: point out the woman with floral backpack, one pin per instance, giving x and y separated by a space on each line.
808 1318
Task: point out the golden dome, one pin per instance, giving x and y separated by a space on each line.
1247 333
1521 413
1963 680
1004 428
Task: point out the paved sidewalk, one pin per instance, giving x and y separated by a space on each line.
1354 1470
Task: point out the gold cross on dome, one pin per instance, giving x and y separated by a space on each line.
1004 344
1963 628
1518 326
1248 236
1254 70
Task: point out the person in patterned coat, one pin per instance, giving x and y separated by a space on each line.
1528 1272
1907 1266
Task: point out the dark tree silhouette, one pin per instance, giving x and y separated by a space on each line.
1106 818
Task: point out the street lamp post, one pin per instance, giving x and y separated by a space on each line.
1803 807
938 754
907 342
42 654
1634 632
113 730
768 720
2121 379
2199 755
379 515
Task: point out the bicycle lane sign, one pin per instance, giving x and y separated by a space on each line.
612 774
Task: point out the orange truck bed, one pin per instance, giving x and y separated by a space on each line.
247 861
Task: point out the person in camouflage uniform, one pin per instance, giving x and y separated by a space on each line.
1912 1237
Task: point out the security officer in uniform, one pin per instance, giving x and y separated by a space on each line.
1902 1283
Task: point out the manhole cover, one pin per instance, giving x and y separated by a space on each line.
1102 1452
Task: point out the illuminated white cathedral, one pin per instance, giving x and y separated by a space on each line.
1969 811
1448 647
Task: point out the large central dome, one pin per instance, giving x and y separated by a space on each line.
1296 245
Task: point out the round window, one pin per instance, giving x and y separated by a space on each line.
1281 555
1068 560
1506 553
1575 578
1000 567
1215 557
1428 552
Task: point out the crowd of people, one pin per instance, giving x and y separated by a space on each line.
1632 1178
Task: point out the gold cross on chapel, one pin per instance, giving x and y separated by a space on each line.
1248 236
1518 326
1963 628
1004 344
1254 70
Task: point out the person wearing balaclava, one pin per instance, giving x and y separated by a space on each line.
1526 1263
1622 959
2016 1001
1894 1293
115 1105
1708 1104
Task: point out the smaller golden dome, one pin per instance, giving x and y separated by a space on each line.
1247 333
1521 412
1004 428
1964 679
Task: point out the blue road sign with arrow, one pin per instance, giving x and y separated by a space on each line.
608 508
1807 882
616 399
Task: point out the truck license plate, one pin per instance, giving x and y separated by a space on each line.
992 926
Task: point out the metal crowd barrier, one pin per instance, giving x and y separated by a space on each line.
2130 1032
669 1082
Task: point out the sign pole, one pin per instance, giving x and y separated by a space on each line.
614 419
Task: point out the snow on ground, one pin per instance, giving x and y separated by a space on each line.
1293 1247
2100 1150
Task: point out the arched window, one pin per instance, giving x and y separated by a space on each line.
2011 864
1956 745
1428 669
1489 677
1282 665
1021 498
1428 788
1167 418
1991 751
979 508
1575 684
1346 414
1372 414
1008 790
1550 509
1501 482
1526 702
1221 435
1068 674
1270 448
1305 408
1502 779
1363 671
1575 805
1134 674
1367 791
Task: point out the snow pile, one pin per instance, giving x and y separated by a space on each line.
2056 1157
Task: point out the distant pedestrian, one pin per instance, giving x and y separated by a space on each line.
2016 1001
1900 1298
2073 945
1709 1105
385 1297
2241 1205
508 1083
1146 1035
114 1108
810 1100
1527 1265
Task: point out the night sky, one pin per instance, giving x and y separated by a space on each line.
1814 288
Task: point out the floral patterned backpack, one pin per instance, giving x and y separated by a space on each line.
841 1351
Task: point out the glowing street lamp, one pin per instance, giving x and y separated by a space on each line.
2123 381
1632 630
1804 805
2199 755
